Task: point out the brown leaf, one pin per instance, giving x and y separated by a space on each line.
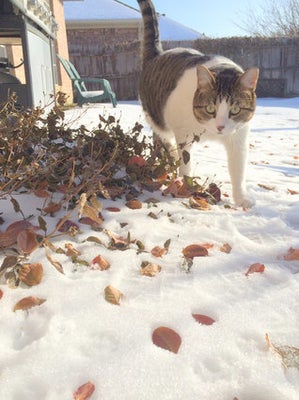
195 250
55 263
28 302
67 226
289 354
293 192
199 203
203 319
7 238
93 214
113 295
31 274
292 255
112 209
52 208
27 242
84 391
226 248
150 269
266 187
158 251
118 242
100 263
1 294
19 226
41 193
257 267
71 251
167 339
134 204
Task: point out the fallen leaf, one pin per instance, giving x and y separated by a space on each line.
84 391
28 302
199 203
100 263
150 269
55 263
19 226
293 255
71 251
293 192
226 248
158 251
257 267
1 294
8 262
266 187
195 250
112 209
113 295
93 214
215 192
203 319
134 204
42 193
7 238
27 242
167 339
289 354
118 242
31 274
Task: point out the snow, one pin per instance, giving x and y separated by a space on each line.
76 336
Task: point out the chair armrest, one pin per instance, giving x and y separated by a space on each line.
90 80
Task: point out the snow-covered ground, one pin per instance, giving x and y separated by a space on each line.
76 336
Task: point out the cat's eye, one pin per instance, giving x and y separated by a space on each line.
235 109
211 108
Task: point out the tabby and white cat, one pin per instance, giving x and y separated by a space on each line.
186 94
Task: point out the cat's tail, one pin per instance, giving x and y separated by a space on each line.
151 44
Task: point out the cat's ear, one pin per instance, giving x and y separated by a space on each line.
204 77
249 78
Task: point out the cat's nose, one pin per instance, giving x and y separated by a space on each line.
220 128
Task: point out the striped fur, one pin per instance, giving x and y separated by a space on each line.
185 93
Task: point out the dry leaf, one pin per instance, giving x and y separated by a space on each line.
293 255
84 391
67 226
293 192
112 209
158 251
95 203
71 251
31 274
137 160
226 248
134 204
113 295
150 269
55 263
1 294
93 214
9 237
289 355
42 193
52 208
100 263
167 339
203 319
118 242
28 302
195 250
266 187
257 267
27 242
199 203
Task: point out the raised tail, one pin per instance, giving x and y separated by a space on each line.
151 44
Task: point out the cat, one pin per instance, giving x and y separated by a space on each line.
186 95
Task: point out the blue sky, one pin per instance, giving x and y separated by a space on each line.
215 18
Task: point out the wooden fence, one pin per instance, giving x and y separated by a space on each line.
115 56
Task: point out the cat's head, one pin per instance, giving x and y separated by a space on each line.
224 99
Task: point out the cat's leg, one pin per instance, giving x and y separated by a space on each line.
183 145
237 150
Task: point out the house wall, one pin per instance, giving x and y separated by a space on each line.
64 83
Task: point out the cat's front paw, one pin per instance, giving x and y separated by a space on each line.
244 202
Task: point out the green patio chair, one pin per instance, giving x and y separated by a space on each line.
84 95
